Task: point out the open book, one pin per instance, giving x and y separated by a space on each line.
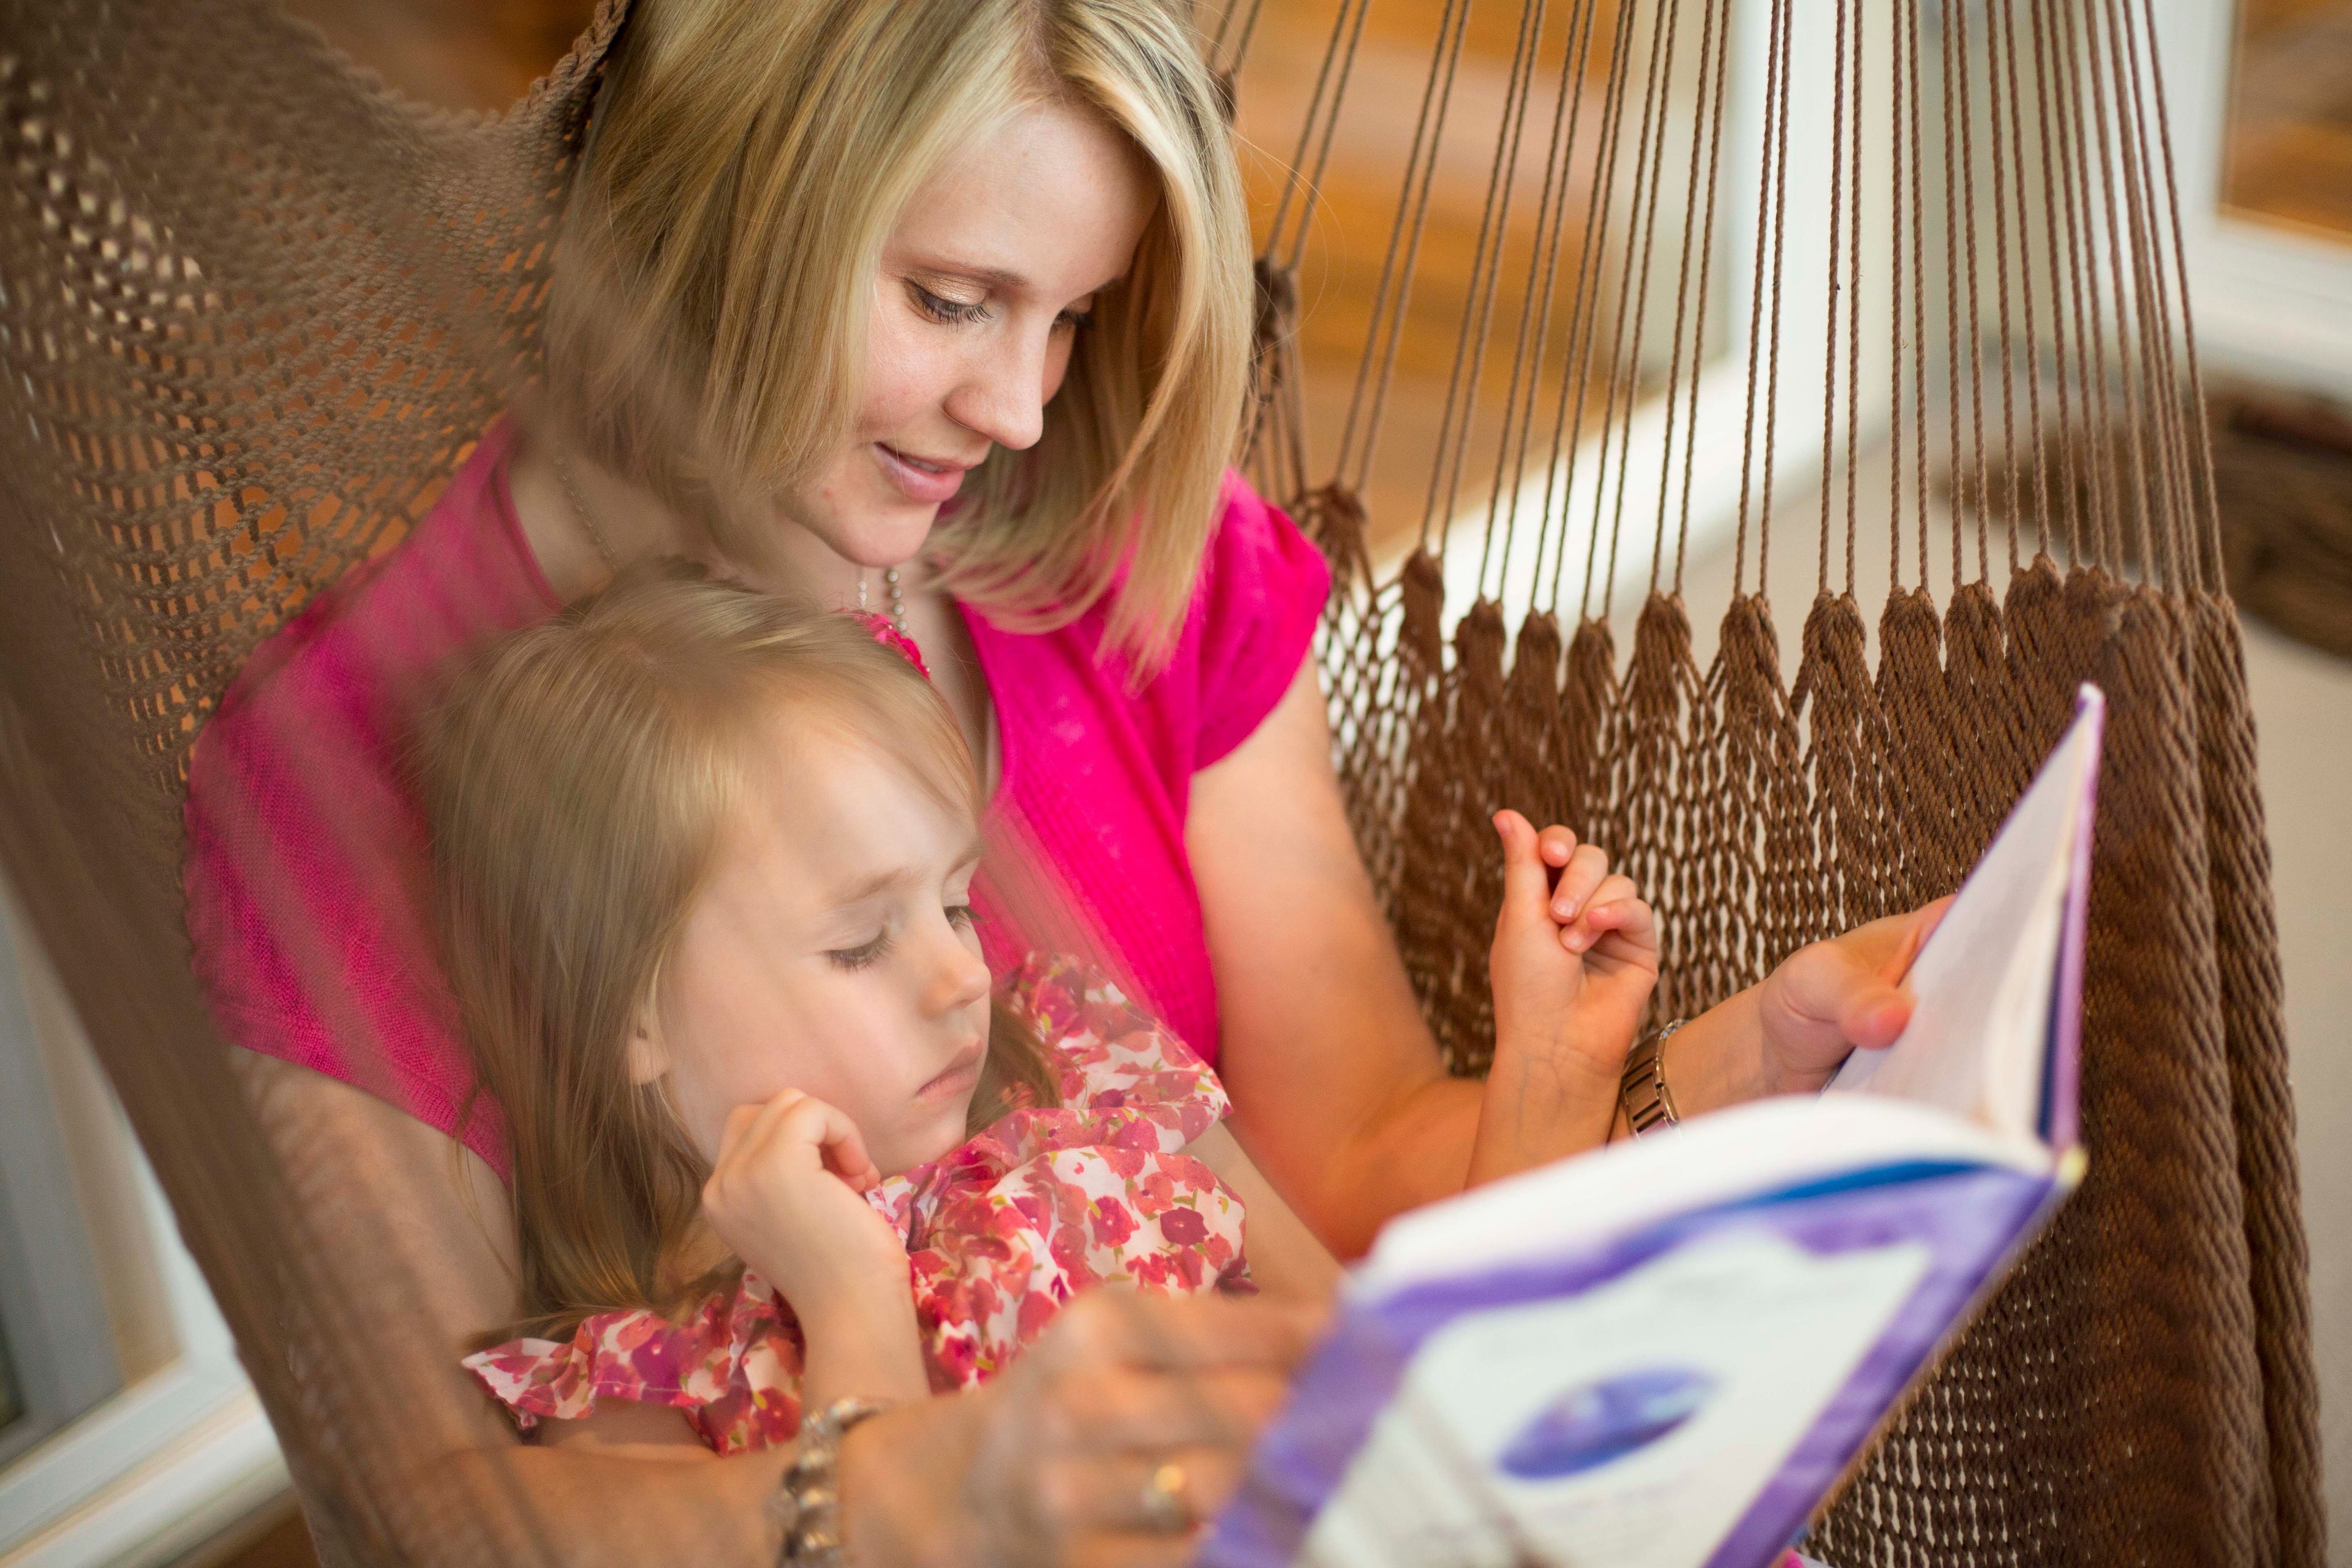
1664 1354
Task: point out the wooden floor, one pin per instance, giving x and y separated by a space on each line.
2290 154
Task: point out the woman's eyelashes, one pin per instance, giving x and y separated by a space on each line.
965 312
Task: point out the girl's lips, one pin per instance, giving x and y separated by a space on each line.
957 1075
930 484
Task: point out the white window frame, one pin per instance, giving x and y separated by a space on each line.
2271 302
182 1451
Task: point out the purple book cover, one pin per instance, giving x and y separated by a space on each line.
1694 1383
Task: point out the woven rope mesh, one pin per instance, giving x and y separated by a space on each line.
255 309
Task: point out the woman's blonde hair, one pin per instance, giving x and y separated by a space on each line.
745 165
576 782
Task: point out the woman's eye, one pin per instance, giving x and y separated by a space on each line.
863 954
963 915
945 310
1071 320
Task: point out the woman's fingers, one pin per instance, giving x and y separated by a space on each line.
1104 1409
1106 1491
1178 1334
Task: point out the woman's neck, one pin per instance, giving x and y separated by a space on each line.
583 522
637 525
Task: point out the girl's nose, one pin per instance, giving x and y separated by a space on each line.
961 977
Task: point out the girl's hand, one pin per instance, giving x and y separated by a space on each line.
783 1194
1572 966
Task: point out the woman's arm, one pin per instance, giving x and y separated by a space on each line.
1285 1259
1336 1086
1043 1466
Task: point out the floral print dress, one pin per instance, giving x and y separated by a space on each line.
1042 1203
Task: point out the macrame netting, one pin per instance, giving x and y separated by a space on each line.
253 309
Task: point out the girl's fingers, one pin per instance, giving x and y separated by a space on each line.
1524 880
739 1121
1626 916
1585 871
839 1145
1555 844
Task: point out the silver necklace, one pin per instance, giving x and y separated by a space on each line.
587 519
894 589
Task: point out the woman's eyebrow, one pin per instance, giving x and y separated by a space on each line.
1004 278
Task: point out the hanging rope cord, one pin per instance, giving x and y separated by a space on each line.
2070 406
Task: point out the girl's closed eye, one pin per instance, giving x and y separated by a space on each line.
963 915
863 954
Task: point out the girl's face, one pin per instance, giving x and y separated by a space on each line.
832 951
982 288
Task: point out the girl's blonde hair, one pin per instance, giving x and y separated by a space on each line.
745 165
576 782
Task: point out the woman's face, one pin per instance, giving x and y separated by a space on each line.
832 952
983 287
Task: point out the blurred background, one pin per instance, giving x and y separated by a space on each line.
127 1435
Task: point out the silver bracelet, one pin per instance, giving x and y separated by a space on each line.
806 1505
1648 1103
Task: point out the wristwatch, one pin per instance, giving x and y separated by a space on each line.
1649 1104
807 1502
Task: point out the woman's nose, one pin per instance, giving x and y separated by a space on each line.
1004 391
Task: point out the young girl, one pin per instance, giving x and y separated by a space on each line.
703 863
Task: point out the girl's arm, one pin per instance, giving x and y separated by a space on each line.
784 1195
411 1233
1285 1258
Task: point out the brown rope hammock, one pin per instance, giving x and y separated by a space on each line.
253 309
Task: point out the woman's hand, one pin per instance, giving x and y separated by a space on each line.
784 1195
1056 1454
1573 966
1827 999
1791 1033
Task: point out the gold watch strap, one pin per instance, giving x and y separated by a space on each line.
1649 1104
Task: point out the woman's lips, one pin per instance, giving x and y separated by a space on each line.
957 1077
919 479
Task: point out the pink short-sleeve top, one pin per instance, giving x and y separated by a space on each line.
306 855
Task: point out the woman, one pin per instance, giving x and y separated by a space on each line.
828 265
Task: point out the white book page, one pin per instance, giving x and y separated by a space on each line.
1755 1148
1978 1037
1475 1465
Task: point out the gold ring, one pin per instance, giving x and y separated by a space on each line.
1164 1508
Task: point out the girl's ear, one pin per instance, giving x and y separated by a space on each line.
647 1059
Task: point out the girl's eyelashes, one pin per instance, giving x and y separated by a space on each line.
963 915
964 312
862 955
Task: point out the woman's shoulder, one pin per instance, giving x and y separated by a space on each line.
461 572
1261 593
